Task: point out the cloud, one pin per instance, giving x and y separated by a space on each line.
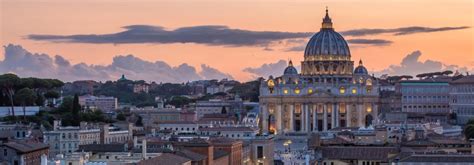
301 46
373 42
208 35
19 61
411 65
265 70
400 31
211 73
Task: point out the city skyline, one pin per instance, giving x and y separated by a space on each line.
89 44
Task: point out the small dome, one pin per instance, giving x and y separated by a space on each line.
327 41
290 69
360 69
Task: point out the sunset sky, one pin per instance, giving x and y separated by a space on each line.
36 25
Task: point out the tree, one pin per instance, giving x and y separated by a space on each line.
7 84
24 97
469 129
139 121
223 111
121 117
76 107
51 94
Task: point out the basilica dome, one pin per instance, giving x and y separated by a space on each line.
327 41
290 69
361 70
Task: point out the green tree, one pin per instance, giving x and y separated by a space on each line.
25 97
139 121
8 82
76 107
469 129
223 110
51 94
121 117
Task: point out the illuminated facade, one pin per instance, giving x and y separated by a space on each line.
328 93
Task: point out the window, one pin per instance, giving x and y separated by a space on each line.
259 152
342 90
297 91
5 152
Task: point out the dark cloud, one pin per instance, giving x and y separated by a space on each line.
374 42
20 61
400 31
209 35
411 65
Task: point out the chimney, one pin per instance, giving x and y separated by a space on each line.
144 149
56 124
83 125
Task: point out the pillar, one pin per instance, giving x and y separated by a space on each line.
336 115
375 112
348 115
302 117
292 110
307 120
360 117
325 117
278 118
315 117
264 118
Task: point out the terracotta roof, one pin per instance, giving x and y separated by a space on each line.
220 153
25 147
102 148
166 159
191 155
358 152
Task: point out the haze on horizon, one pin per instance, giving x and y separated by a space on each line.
241 39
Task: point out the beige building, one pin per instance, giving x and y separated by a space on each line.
328 93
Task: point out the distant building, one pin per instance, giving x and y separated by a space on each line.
23 152
103 103
425 96
141 87
364 155
82 87
64 140
213 89
214 106
462 99
234 132
29 110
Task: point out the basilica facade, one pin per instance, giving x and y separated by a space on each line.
328 93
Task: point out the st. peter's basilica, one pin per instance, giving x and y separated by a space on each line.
328 93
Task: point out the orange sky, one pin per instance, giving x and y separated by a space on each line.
20 18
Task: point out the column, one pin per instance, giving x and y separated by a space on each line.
264 119
336 115
307 120
292 110
325 117
279 119
302 118
360 117
375 112
333 115
315 117
348 115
